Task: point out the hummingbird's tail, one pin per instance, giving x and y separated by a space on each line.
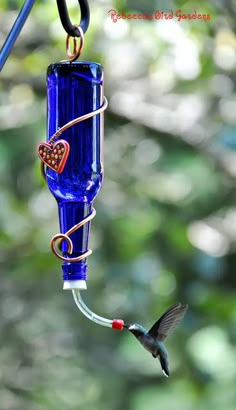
164 366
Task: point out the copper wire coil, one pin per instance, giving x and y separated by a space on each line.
77 49
66 237
65 127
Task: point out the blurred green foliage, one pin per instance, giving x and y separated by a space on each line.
165 229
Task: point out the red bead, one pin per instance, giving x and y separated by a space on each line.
117 324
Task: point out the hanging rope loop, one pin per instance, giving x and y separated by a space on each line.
70 28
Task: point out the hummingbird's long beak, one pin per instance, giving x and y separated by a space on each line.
126 326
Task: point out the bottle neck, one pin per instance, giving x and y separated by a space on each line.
70 214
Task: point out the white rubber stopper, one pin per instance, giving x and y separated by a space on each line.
74 284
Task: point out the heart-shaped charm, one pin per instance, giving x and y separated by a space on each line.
54 155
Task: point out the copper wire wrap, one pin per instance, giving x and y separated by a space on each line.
70 124
60 237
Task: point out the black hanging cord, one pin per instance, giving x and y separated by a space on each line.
65 19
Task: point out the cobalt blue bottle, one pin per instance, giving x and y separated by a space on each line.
75 89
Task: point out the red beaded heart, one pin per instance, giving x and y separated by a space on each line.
54 155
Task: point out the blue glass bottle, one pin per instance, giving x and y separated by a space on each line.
75 89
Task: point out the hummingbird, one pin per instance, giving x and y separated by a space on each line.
152 340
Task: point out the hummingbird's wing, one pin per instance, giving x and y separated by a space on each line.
167 322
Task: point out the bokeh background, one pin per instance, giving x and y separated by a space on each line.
165 229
